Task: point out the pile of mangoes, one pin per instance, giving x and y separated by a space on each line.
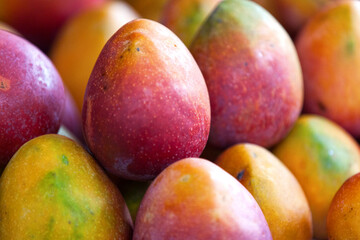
179 119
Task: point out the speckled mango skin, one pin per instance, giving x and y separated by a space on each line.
252 72
146 104
80 42
184 17
321 155
31 94
329 48
274 187
343 220
204 202
53 189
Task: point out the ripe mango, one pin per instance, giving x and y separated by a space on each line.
53 189
31 94
274 187
321 155
343 220
252 73
195 199
329 50
146 103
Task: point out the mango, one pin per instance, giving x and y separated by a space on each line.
40 20
273 186
146 104
53 189
329 48
81 40
31 94
150 9
321 155
343 220
204 202
184 17
293 14
252 73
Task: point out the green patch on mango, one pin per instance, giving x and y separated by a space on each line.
331 154
56 190
350 46
65 160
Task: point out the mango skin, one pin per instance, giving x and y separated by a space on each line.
53 189
322 156
343 220
81 40
329 48
273 186
252 73
31 94
205 202
40 20
184 17
146 103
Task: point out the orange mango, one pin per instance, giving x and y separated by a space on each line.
329 51
322 156
81 40
273 186
343 221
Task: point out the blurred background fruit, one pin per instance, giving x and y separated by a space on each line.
274 187
204 202
293 14
184 17
252 72
31 94
66 196
146 103
40 20
329 51
343 220
150 9
322 156
71 118
6 27
79 44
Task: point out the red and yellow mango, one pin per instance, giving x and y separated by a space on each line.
329 51
252 73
